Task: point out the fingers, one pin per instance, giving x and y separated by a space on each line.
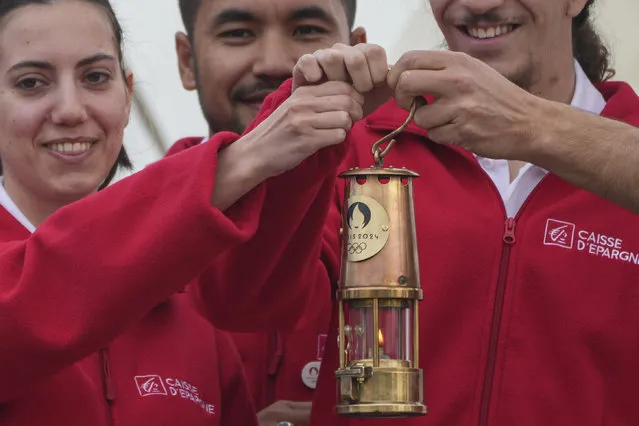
302 405
328 128
433 60
299 413
333 63
446 84
364 66
442 74
331 88
377 63
418 83
332 120
357 68
307 71
338 103
446 135
435 115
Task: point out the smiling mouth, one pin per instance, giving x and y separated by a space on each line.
483 33
70 148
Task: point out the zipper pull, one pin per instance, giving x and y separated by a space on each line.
109 390
509 231
276 352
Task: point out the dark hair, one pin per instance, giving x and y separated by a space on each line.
351 10
190 8
589 49
8 6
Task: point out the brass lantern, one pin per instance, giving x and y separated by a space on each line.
379 291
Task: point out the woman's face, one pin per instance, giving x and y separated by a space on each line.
64 102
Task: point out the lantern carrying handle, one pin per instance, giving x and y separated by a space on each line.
378 152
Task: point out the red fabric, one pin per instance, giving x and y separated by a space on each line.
565 336
524 333
274 361
90 301
282 251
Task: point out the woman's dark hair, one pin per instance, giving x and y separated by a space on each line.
8 6
588 47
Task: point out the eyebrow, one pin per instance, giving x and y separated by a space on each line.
238 15
48 66
233 15
312 12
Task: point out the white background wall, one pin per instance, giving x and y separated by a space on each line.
164 112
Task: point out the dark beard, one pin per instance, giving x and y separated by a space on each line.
214 126
526 77
234 126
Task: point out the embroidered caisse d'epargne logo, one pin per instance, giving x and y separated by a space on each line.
155 385
560 234
569 236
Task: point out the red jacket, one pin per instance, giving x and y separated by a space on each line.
93 328
279 366
526 321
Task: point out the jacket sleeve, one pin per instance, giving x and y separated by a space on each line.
279 280
97 265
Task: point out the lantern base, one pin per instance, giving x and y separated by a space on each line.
391 390
381 410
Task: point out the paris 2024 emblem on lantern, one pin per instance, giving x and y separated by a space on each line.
368 228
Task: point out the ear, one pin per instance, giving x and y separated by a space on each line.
129 94
358 35
129 81
575 7
186 61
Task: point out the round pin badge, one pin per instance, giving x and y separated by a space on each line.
310 373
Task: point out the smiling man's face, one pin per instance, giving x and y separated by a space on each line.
522 39
242 50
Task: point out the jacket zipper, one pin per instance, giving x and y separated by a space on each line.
509 240
109 390
276 351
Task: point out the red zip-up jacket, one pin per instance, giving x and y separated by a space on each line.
93 327
527 321
279 366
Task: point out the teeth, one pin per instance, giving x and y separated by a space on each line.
71 147
490 32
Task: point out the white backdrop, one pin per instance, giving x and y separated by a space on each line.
164 112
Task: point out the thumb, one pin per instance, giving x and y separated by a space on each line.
299 79
307 71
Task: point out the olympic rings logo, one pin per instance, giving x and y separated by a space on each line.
356 248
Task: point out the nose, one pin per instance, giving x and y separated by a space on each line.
276 57
70 107
479 7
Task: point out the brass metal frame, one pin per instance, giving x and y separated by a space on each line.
380 270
